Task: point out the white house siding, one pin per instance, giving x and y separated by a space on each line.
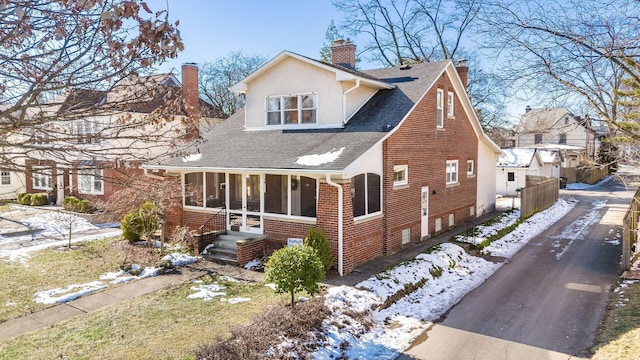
485 171
8 192
293 76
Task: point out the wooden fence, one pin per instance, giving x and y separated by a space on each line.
630 246
592 174
538 195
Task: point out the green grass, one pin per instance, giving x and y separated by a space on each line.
619 335
162 325
51 268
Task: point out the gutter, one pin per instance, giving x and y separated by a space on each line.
340 220
344 101
157 177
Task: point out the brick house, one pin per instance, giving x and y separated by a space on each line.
97 177
378 159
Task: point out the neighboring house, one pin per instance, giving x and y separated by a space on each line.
378 159
99 177
556 126
11 184
514 165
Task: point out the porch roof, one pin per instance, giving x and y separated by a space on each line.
229 146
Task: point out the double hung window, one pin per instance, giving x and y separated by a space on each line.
291 109
452 172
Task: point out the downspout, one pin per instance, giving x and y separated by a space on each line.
340 216
344 101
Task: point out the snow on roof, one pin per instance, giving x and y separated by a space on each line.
516 157
548 156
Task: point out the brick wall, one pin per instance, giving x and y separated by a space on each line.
426 149
249 250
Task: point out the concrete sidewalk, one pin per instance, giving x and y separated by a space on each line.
51 316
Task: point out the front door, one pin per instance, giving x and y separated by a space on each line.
245 202
424 205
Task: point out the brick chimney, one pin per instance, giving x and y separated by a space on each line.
191 98
190 89
343 53
463 72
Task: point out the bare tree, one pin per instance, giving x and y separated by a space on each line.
217 76
75 67
567 52
415 31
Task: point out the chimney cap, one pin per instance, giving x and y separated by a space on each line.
462 63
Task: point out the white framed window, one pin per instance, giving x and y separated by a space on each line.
291 109
5 177
440 108
450 100
91 181
291 195
470 167
452 220
452 172
42 178
400 175
86 131
366 194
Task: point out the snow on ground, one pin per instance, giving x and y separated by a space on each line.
485 231
509 244
583 186
55 223
69 293
435 282
54 296
575 230
211 291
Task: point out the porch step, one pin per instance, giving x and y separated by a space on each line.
225 248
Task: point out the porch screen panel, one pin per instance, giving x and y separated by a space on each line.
193 189
276 195
358 195
373 193
305 196
215 189
253 193
235 191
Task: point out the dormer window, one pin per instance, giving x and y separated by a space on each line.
291 109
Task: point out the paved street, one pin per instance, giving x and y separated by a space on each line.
547 301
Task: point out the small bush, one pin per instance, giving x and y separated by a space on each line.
69 203
72 203
317 239
294 269
39 199
24 199
128 227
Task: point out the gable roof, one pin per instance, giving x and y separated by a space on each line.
229 147
342 73
541 120
516 158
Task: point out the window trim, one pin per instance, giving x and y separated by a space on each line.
92 173
450 164
405 180
282 110
473 167
367 214
5 177
440 108
450 104
39 173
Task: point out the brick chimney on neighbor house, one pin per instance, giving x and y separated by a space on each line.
190 89
343 53
191 97
463 71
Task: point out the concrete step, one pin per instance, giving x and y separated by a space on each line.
221 259
225 243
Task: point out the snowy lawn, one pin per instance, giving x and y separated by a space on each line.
163 325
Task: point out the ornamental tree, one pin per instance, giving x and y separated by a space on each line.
293 269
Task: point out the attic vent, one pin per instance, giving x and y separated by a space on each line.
405 67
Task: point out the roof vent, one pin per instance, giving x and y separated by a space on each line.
405 67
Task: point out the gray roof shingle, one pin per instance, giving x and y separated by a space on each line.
229 146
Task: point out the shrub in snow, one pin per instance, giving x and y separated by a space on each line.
142 222
294 269
24 199
128 230
317 239
72 203
38 199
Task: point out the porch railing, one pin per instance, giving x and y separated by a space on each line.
216 225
